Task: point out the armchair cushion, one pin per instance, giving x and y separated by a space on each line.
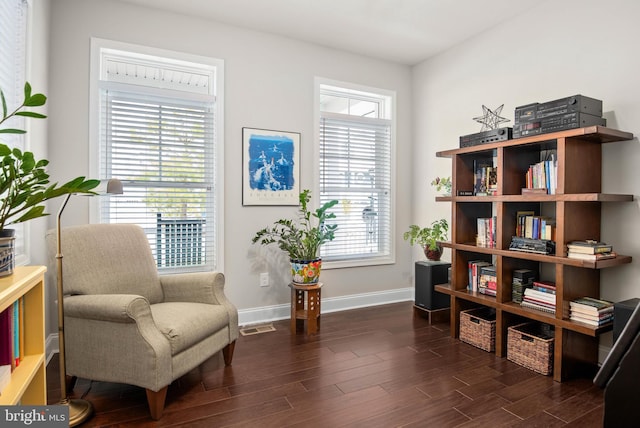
185 324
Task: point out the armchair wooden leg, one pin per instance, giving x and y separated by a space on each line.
156 402
227 352
70 382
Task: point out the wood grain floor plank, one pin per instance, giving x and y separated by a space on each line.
370 367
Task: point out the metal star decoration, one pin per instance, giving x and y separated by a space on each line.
490 119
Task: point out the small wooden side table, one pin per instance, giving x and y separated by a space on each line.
305 306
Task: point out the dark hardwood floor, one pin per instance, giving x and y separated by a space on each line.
373 367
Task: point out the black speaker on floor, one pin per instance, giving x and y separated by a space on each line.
428 274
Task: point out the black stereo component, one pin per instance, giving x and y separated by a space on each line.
576 111
490 136
562 106
527 245
557 123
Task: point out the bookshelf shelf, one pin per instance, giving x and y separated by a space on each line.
576 209
28 382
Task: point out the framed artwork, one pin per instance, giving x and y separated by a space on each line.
271 167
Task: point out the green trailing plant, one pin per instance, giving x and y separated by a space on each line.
443 183
301 238
24 181
427 237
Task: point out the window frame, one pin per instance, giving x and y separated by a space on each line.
97 46
389 113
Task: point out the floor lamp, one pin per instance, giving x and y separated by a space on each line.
79 410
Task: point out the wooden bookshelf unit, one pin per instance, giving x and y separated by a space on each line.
576 207
28 383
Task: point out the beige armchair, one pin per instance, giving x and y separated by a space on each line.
125 323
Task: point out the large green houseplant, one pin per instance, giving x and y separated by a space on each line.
24 181
429 237
302 238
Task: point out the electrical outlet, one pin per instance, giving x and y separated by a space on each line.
264 279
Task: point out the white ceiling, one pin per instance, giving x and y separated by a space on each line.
403 31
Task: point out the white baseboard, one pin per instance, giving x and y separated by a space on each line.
266 314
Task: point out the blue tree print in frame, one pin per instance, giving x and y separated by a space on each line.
271 165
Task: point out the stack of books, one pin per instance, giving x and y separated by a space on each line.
522 279
590 250
595 312
488 280
541 296
474 274
542 177
486 236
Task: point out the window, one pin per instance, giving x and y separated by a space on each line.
355 141
13 25
158 133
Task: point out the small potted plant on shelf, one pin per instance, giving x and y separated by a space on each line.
429 237
302 238
24 181
442 184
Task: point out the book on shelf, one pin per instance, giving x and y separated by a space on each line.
544 286
474 273
534 191
591 305
523 276
541 177
539 296
589 247
6 337
12 334
595 323
538 307
592 257
465 192
531 226
5 377
486 237
484 177
488 280
597 316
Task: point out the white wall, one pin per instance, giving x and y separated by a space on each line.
558 49
268 84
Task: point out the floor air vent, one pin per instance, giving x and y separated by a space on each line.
257 329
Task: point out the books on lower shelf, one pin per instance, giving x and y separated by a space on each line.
474 267
541 296
522 279
591 305
12 334
488 283
5 377
590 250
595 312
589 247
486 236
592 257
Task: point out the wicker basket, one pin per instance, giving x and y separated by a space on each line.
531 346
478 328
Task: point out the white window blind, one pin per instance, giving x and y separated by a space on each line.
13 30
355 169
161 143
